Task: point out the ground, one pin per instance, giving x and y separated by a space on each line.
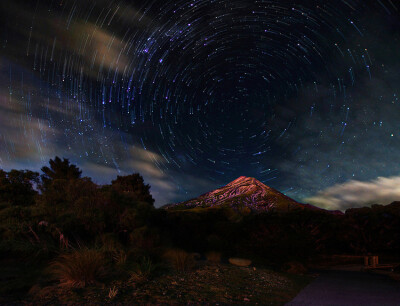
206 283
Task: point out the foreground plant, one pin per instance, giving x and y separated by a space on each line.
112 293
143 270
120 257
180 260
80 268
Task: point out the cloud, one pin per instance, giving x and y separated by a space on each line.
35 127
382 190
166 185
23 133
80 44
144 162
101 49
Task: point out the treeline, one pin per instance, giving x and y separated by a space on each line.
277 238
41 213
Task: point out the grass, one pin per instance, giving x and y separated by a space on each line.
143 270
80 268
180 260
120 257
112 292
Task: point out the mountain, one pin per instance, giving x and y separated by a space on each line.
244 192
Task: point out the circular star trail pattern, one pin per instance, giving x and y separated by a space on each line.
216 88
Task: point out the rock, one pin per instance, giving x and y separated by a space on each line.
240 262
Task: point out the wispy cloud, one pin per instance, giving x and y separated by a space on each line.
142 161
166 185
382 190
24 133
100 48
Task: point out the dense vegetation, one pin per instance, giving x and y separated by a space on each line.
79 233
276 238
60 209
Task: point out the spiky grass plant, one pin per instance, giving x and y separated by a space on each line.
112 293
120 257
79 268
180 260
143 270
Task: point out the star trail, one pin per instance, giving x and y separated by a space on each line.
300 94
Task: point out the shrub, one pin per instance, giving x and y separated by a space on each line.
109 243
120 257
180 260
80 268
143 270
144 237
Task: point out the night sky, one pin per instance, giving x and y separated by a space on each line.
302 95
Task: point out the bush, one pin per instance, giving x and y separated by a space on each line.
109 244
80 268
120 257
143 270
145 238
180 260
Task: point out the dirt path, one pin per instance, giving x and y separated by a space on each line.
349 288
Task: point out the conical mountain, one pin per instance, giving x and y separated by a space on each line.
245 192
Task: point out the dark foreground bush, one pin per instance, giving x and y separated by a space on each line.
143 270
80 268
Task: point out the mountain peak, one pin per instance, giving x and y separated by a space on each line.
244 179
244 192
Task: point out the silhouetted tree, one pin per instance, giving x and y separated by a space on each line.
133 187
59 169
55 183
17 187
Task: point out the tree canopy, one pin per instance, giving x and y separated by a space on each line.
59 169
134 187
17 186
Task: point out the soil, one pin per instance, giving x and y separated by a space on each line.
206 284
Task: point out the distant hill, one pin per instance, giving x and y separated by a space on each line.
244 193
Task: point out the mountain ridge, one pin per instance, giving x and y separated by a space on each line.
245 192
